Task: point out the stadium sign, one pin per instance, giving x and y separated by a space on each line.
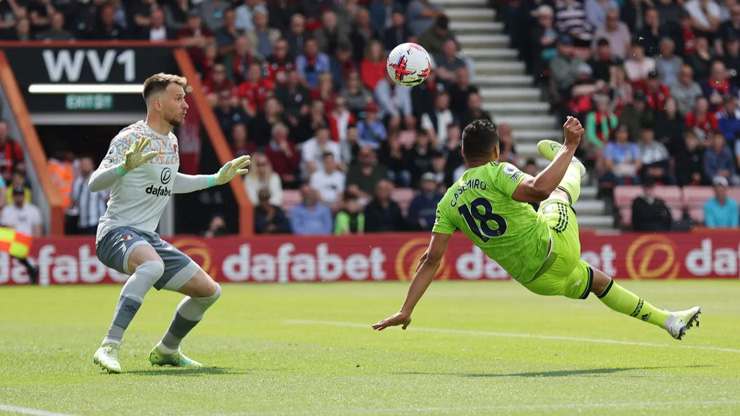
86 76
391 257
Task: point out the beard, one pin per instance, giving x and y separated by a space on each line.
174 121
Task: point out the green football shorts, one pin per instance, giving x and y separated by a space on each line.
563 273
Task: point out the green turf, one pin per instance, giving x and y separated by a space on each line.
259 363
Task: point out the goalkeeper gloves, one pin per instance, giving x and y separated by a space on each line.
135 156
230 170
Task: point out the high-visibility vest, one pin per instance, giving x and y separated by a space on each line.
63 178
15 243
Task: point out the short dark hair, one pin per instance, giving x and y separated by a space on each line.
159 82
479 139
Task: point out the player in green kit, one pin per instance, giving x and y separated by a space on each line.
541 250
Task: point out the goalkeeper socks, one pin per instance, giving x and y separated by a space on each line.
188 314
132 295
623 301
571 182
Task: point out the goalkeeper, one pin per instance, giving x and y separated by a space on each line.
141 170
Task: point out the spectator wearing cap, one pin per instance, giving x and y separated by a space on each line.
602 61
17 180
213 13
542 45
638 66
435 122
473 111
383 214
718 85
580 101
655 92
670 126
422 15
596 11
690 161
655 158
244 16
433 40
650 213
397 33
718 160
329 181
705 15
600 124
448 63
728 119
269 218
310 217
423 208
685 90
621 160
721 211
667 64
570 20
701 60
371 131
262 36
195 36
364 174
564 67
312 63
651 32
24 218
227 34
702 120
637 115
10 151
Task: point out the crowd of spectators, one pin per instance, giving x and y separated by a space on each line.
654 82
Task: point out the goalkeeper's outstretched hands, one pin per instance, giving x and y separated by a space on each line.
231 169
135 155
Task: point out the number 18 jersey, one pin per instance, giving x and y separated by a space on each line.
510 232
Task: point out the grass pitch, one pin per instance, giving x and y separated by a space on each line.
473 348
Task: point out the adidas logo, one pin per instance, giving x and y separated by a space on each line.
158 191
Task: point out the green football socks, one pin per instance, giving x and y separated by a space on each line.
571 182
623 301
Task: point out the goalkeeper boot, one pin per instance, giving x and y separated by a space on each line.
176 359
549 149
107 357
680 322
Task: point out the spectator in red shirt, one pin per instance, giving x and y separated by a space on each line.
237 63
340 119
10 152
701 120
254 90
718 85
283 156
373 65
279 63
195 36
216 81
656 93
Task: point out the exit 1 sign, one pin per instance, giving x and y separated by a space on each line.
89 102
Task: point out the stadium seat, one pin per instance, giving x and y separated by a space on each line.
625 194
403 197
734 193
697 214
695 196
673 198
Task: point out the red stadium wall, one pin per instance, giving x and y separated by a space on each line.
376 257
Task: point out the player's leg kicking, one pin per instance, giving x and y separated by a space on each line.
581 278
155 263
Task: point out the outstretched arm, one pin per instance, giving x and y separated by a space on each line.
539 188
425 272
190 183
118 162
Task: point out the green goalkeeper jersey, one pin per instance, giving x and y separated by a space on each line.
510 232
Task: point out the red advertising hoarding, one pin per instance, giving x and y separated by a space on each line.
381 257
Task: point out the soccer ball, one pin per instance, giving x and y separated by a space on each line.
409 64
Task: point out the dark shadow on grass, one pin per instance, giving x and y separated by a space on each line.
557 373
202 371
